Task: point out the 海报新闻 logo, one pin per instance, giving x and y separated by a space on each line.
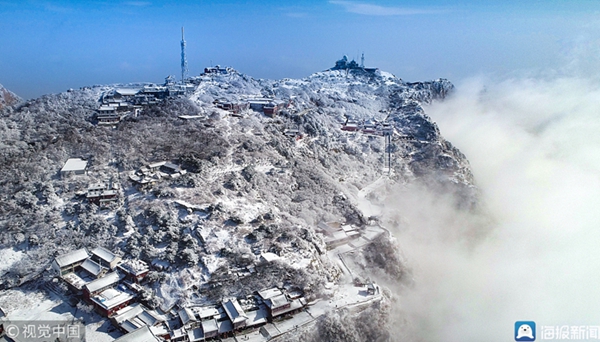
524 331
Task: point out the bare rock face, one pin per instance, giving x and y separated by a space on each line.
8 98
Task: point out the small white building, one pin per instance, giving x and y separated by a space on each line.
268 257
126 92
257 318
101 193
281 305
76 166
258 104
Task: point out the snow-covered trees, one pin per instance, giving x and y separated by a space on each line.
370 324
250 189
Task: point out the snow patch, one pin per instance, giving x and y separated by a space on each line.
9 257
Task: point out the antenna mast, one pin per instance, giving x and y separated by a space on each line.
388 150
184 67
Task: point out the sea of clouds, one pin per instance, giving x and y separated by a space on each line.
533 250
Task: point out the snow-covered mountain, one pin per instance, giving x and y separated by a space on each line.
255 185
330 98
8 98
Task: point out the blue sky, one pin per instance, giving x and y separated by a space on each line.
50 46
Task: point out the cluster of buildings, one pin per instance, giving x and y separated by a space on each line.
235 108
377 128
268 106
234 315
344 64
102 193
117 103
99 193
112 285
153 173
101 277
217 70
337 234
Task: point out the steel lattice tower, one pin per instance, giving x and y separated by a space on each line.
388 153
184 67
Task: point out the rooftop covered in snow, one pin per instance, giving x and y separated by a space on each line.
110 279
111 298
234 311
92 267
71 257
74 165
269 293
103 255
143 334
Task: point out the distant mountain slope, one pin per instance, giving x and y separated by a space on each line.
8 98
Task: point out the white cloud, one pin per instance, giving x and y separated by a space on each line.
377 10
535 153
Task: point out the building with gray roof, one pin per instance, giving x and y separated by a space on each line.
108 281
235 313
142 334
105 258
93 268
66 263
